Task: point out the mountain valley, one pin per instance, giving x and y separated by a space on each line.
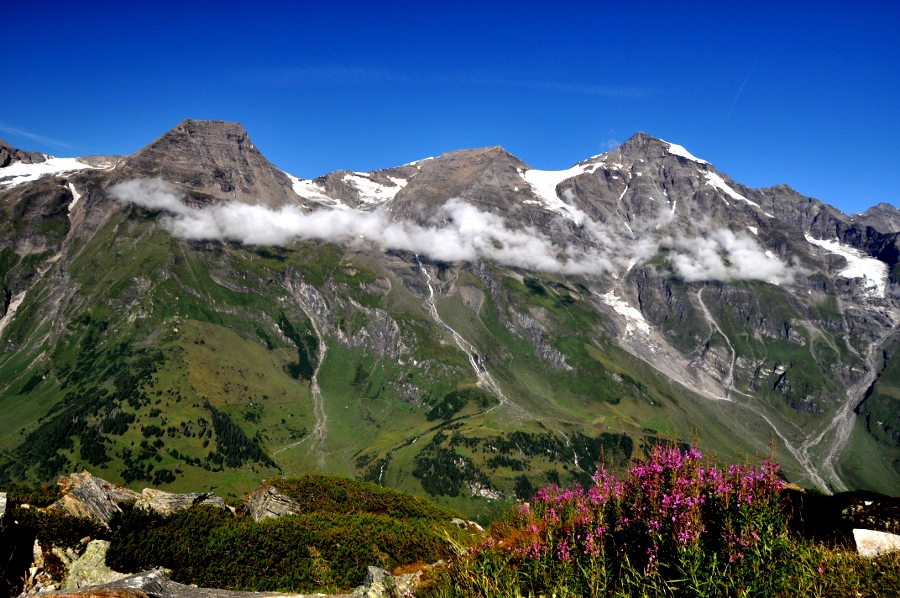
462 327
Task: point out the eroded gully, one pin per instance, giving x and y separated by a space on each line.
485 380
799 453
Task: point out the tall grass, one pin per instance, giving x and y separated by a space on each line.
675 525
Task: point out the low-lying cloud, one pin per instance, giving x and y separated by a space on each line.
465 233
721 254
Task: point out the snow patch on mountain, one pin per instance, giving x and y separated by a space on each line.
634 319
371 192
75 196
311 191
873 271
719 183
18 173
678 150
544 182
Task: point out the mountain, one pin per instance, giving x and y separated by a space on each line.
882 217
9 154
211 161
464 327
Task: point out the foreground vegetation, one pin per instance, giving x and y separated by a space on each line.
675 524
342 527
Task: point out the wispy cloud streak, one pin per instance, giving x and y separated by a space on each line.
34 137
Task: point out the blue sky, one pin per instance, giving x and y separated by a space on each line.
806 94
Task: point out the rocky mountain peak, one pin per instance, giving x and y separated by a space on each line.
883 217
10 154
212 160
488 177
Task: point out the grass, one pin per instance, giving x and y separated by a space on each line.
226 300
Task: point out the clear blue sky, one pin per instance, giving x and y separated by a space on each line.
807 94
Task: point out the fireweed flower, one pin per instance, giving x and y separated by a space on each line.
671 506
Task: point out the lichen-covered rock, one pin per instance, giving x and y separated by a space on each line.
267 502
87 496
381 584
870 543
155 584
166 502
90 569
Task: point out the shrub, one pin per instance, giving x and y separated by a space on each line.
331 494
300 553
669 526
56 528
36 496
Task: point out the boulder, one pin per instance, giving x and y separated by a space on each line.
381 584
870 543
90 568
166 503
87 496
2 505
267 502
155 584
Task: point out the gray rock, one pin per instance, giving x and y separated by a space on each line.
381 584
870 543
467 525
90 569
883 217
267 502
9 154
166 502
211 161
2 505
87 496
155 584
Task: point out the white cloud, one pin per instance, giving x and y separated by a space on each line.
721 254
466 233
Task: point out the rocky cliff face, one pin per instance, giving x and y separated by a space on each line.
9 154
212 161
883 217
665 297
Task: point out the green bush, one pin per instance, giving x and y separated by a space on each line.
56 528
299 553
331 494
36 496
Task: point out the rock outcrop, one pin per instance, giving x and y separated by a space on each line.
266 502
212 160
90 568
94 498
87 496
166 503
871 544
381 584
9 154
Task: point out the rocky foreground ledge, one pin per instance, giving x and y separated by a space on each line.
83 571
155 584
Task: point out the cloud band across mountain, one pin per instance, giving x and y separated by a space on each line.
464 233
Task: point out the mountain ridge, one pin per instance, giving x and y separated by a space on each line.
448 327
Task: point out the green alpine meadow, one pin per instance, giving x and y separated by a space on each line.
622 370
